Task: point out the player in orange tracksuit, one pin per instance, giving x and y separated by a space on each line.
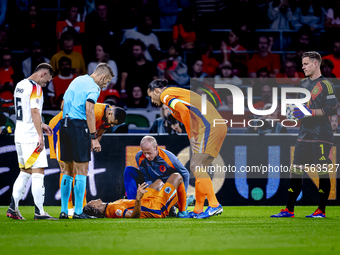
152 202
106 117
205 139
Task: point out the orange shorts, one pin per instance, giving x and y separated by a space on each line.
157 204
211 140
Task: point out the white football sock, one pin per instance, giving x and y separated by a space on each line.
19 187
38 191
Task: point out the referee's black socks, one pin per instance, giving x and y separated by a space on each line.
294 190
324 189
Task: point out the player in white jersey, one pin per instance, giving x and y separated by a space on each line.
29 141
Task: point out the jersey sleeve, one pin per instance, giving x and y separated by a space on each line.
174 103
329 97
36 96
93 95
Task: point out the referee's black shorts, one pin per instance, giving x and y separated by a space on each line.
75 141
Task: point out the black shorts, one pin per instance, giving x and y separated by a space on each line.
75 141
317 153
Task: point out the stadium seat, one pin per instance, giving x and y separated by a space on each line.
136 119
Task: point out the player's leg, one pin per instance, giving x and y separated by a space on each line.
132 177
177 181
211 141
65 187
322 158
156 185
80 185
66 135
302 154
19 185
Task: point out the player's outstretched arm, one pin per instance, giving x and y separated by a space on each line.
137 210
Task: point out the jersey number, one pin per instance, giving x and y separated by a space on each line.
18 108
322 152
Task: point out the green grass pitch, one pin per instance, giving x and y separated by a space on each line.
239 230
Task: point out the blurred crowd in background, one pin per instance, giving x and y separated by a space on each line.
192 43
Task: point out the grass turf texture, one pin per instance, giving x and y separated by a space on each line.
239 230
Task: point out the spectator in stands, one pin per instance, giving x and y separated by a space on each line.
238 60
289 76
59 84
262 79
227 103
297 56
37 57
225 75
3 8
136 99
304 36
173 68
176 127
161 125
266 95
183 32
102 56
327 67
99 26
333 15
138 70
72 27
6 77
210 64
30 28
109 96
270 124
144 33
169 11
335 57
279 14
3 38
264 59
334 124
196 69
311 13
78 63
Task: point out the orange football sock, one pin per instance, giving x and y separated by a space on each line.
182 197
208 190
200 197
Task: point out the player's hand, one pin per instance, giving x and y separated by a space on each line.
47 129
194 145
300 115
141 190
95 145
41 145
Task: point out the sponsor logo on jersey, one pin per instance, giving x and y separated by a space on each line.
322 158
18 90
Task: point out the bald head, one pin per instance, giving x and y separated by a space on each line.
148 140
149 147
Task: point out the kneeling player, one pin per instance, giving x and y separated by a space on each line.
152 202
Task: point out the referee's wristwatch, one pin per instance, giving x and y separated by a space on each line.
93 135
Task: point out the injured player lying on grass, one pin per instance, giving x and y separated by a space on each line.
154 201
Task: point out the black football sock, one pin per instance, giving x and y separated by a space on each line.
324 189
294 190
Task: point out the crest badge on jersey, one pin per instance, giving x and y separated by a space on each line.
162 168
119 212
315 90
37 100
167 190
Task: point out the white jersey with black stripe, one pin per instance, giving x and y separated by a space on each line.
28 95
